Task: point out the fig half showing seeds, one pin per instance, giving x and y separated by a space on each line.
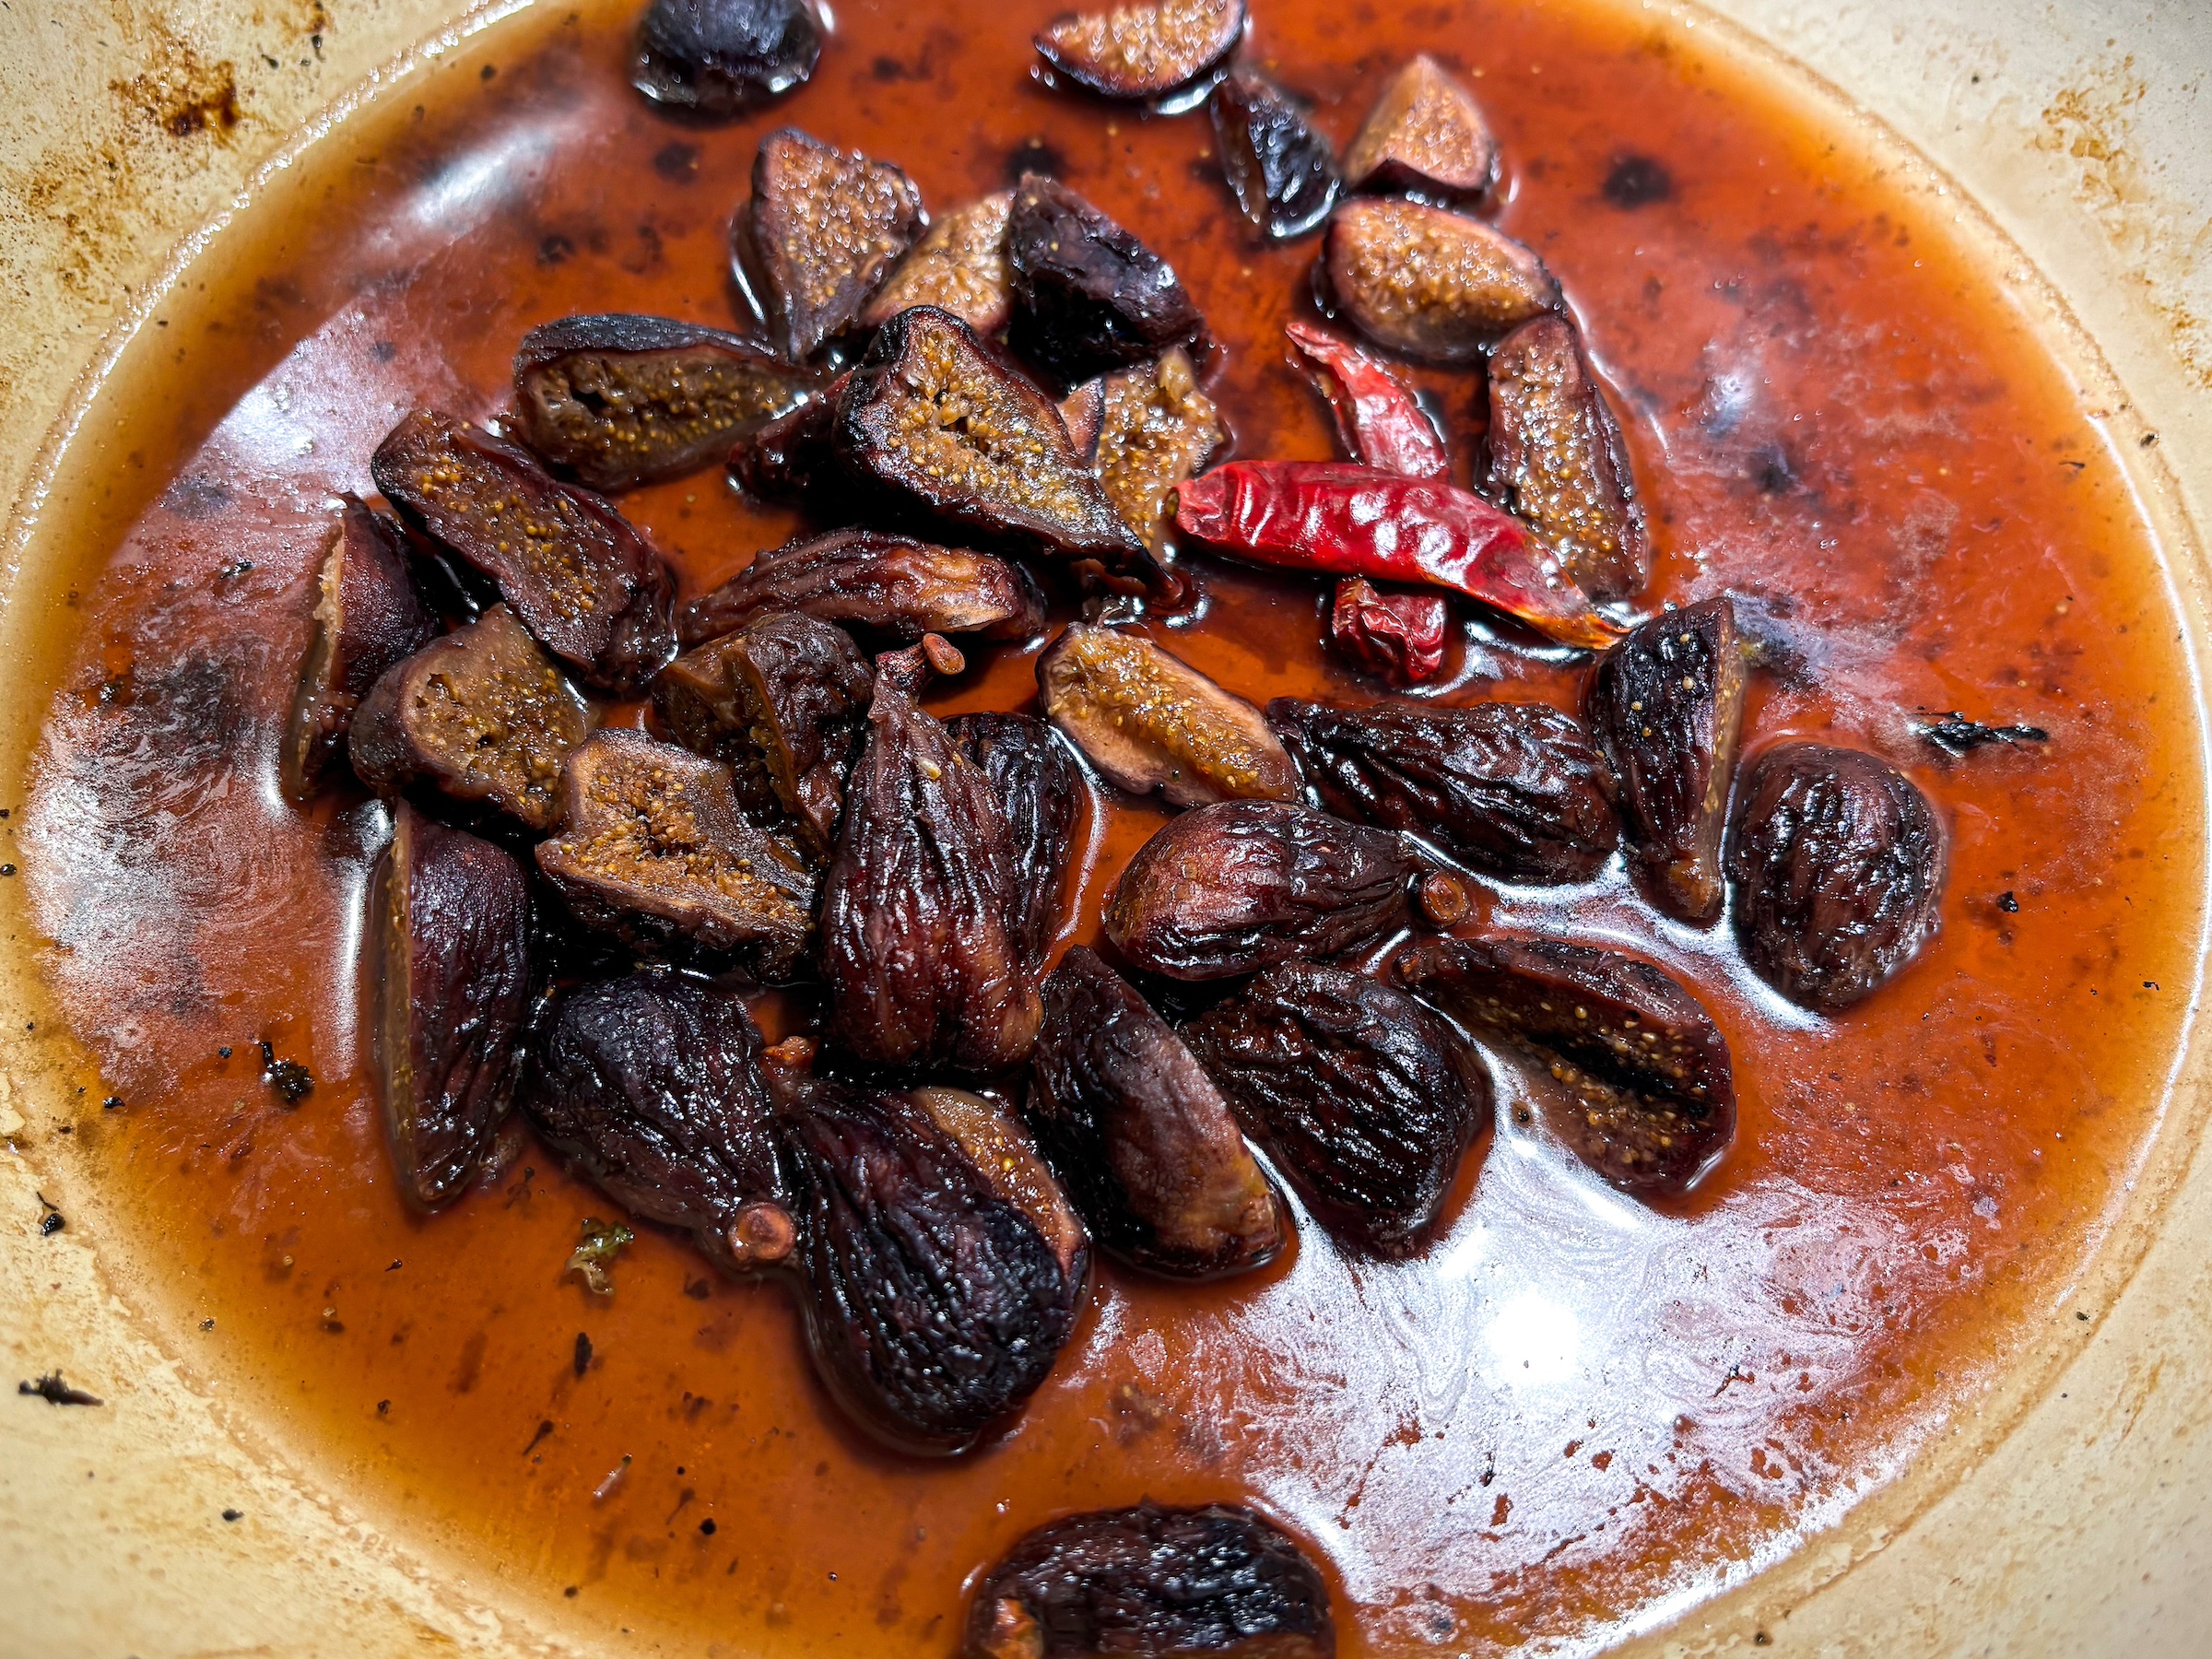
1557 459
887 585
823 229
1516 791
651 1084
1365 1099
1424 137
449 930
933 1305
723 57
621 400
781 701
1155 428
576 572
1041 793
1242 885
655 851
1280 167
942 426
1648 1090
1145 50
1151 1582
1837 862
959 266
1149 720
367 616
482 712
1667 703
921 930
1431 285
1089 297
1141 1134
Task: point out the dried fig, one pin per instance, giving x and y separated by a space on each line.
1516 791
887 585
449 930
1041 793
1142 1136
1364 1098
790 459
367 616
1667 703
484 713
1398 637
1145 50
652 1083
1150 721
622 400
1281 168
723 57
1429 284
1155 428
1008 1160
1089 297
1649 1089
1424 137
823 229
961 267
1241 886
576 572
1837 862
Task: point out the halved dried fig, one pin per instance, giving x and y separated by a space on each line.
779 702
1008 1158
1155 430
887 585
367 616
1365 1099
1149 720
1145 50
823 229
961 267
484 713
933 1305
723 57
1517 791
1240 886
1151 1582
1557 459
1424 137
1432 285
1398 637
1837 862
1041 793
1281 168
1089 297
937 422
1650 1090
577 573
652 1083
449 933
655 851
1141 1134
620 400
1667 703
921 928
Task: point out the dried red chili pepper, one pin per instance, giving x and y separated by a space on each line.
1399 636
1361 521
1377 415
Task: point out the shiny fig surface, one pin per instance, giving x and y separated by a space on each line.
1153 430
934 1306
1152 1581
1426 138
723 57
1838 862
823 229
789 459
1008 1160
651 1085
1281 168
1365 1099
367 616
1040 796
449 937
1648 1084
959 266
576 572
1667 705
483 713
1517 791
1142 1136
1142 49
885 584
1242 885
1434 286
620 400
1089 297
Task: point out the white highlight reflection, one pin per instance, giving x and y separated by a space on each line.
1534 1340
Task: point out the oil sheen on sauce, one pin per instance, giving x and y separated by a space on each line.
1575 1407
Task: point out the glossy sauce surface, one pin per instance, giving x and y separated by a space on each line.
1574 1406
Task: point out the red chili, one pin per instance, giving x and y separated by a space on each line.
1399 636
1377 415
1361 520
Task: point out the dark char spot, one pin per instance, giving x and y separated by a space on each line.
1638 182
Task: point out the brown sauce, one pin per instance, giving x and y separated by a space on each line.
1575 1408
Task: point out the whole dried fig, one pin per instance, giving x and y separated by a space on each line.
887 585
823 229
1435 286
723 57
1089 297
1041 793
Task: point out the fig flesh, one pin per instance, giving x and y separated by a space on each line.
1431 284
887 585
959 266
1089 297
1281 168
823 229
1424 137
1041 793
723 57
1155 428
1145 50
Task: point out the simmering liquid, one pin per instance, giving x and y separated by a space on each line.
1575 1408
